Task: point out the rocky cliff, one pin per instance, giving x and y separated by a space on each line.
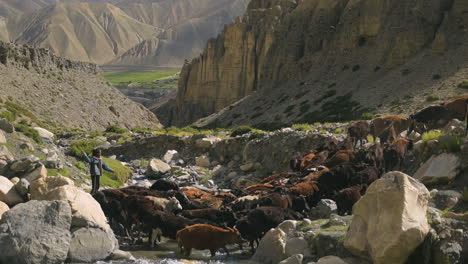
316 60
63 93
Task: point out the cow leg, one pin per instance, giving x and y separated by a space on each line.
188 251
227 251
252 246
213 252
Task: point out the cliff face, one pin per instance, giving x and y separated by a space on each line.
299 60
63 93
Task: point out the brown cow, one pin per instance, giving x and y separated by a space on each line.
210 237
459 106
379 124
259 188
346 198
340 157
396 152
308 188
358 132
277 177
314 176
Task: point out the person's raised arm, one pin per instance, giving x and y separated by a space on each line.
86 157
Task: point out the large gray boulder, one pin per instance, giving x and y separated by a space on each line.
439 169
6 126
36 232
272 247
389 221
157 168
91 244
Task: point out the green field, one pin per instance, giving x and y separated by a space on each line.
121 78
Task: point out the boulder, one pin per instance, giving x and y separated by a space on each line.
295 259
2 137
288 226
121 255
445 199
24 164
170 156
36 232
3 208
5 154
45 134
296 245
41 187
389 221
203 161
8 193
439 169
337 260
157 167
323 209
6 126
271 249
15 180
247 166
91 244
22 187
205 143
86 211
39 172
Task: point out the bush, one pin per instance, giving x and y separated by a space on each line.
432 97
86 145
8 116
432 135
367 116
241 130
115 129
302 127
451 143
29 132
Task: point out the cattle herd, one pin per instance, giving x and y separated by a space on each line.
337 170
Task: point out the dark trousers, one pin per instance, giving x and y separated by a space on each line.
95 183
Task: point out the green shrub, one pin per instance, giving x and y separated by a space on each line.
451 143
29 132
463 85
339 130
18 110
432 97
86 145
205 179
367 116
432 135
8 116
80 165
121 173
241 130
302 127
115 129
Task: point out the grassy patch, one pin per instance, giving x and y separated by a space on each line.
205 179
10 117
451 143
17 110
302 127
432 135
367 116
86 145
121 173
29 132
80 165
54 172
432 97
115 129
241 130
120 78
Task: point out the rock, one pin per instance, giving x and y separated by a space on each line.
15 180
170 156
6 126
288 226
22 165
36 232
3 208
323 209
445 199
2 137
8 193
22 187
337 260
203 161
455 127
338 220
205 143
121 255
40 188
232 175
439 169
243 182
247 167
37 173
86 211
45 134
295 259
27 146
271 249
447 252
296 245
389 221
414 136
5 154
91 244
157 167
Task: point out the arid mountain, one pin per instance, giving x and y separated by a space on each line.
288 61
63 93
149 32
95 32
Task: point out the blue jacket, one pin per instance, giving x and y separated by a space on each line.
94 165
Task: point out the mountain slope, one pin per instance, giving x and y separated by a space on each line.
63 93
95 32
325 60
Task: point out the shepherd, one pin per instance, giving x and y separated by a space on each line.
96 165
